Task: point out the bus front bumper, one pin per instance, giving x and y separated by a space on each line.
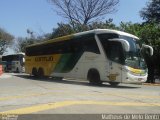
129 78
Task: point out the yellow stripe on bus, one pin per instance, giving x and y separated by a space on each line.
47 62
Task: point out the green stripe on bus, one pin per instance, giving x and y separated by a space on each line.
67 62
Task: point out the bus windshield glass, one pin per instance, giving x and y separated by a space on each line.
115 52
113 49
14 57
10 58
133 58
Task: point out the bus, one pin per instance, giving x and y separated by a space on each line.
100 55
13 62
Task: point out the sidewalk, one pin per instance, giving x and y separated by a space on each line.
5 75
157 83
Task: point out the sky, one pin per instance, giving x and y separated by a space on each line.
16 16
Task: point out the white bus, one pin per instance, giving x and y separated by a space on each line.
13 62
100 55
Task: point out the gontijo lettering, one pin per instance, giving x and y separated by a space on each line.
39 59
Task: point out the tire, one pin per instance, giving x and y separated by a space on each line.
34 72
40 73
114 83
94 77
17 70
5 69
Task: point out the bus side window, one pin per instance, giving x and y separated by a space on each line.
89 44
75 45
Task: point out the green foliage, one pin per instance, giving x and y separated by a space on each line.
5 40
147 32
22 43
130 28
67 29
151 30
151 13
61 30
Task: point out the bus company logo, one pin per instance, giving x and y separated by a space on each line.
39 59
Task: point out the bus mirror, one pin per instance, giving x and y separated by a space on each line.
23 60
147 48
125 44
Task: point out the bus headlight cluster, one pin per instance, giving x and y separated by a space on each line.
136 71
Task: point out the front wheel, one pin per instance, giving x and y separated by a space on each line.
40 73
94 77
34 72
17 70
114 83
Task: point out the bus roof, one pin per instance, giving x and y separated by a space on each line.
95 31
100 31
20 53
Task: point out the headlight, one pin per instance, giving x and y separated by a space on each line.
137 71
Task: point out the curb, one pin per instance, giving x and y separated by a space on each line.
151 84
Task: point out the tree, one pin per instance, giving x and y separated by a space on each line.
21 42
67 29
84 11
151 13
5 40
148 34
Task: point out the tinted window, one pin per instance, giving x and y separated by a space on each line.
11 58
104 37
114 52
79 44
51 48
88 44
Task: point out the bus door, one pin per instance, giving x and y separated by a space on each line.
115 56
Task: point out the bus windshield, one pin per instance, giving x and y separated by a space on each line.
133 58
13 62
10 58
115 52
113 49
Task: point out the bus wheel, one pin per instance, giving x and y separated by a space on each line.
114 83
94 77
40 72
17 70
34 72
5 69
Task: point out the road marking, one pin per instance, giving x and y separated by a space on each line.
18 97
132 95
83 94
49 106
26 96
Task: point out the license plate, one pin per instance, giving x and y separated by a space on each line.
112 77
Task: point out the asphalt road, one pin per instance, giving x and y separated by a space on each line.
23 94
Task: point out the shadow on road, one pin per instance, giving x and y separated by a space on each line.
75 82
